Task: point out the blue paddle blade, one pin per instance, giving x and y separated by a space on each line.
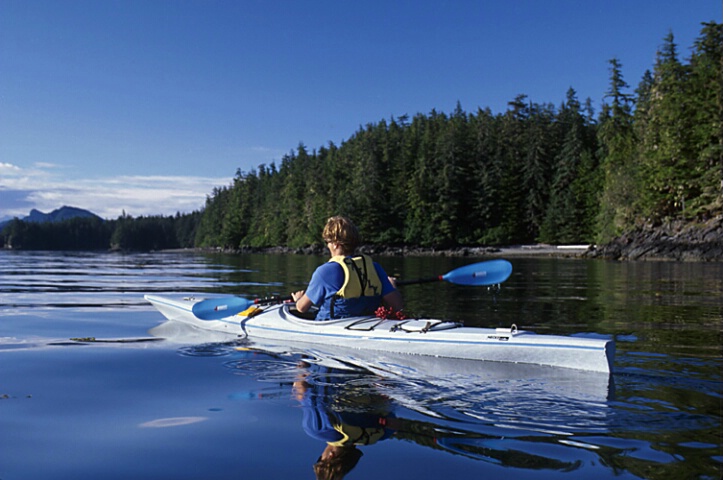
218 308
491 272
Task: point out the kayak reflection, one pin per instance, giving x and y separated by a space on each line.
515 415
497 413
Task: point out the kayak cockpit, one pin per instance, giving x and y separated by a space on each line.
367 323
407 325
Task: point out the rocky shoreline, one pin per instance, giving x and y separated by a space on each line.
674 241
678 241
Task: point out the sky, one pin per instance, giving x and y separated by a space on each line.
145 106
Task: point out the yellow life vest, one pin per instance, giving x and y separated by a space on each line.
353 435
360 277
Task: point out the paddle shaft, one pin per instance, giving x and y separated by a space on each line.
438 278
272 299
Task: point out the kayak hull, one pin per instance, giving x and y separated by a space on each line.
429 337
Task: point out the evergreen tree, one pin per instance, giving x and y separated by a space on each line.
484 214
511 157
394 199
620 185
540 144
666 149
706 108
573 198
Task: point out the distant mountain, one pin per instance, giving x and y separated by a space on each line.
58 215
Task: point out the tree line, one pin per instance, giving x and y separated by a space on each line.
534 173
125 233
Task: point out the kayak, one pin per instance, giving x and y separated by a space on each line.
428 337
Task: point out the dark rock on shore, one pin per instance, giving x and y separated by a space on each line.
671 241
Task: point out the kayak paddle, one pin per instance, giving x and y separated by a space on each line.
490 272
222 307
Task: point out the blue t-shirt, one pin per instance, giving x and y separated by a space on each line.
328 279
323 417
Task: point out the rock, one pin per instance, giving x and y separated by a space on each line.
669 241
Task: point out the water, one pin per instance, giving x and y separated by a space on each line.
153 408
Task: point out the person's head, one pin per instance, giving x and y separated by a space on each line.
340 230
335 462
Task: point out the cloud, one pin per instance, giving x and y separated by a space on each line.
24 189
46 165
8 168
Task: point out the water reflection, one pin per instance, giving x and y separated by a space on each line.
349 412
343 415
486 412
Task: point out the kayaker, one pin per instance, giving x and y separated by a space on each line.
347 285
342 416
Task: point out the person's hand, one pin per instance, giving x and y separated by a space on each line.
393 281
303 303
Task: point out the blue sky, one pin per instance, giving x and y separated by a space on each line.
147 105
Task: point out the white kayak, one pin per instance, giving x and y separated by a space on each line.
428 337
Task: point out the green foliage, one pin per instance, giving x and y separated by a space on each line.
440 181
73 234
618 161
125 233
145 233
570 213
705 81
668 162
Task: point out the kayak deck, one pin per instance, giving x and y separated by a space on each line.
430 337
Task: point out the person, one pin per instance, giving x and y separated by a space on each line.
348 284
343 415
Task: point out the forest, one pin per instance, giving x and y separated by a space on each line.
534 173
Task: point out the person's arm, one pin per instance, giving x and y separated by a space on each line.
394 299
303 303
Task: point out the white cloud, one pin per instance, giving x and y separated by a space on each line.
107 197
8 168
46 165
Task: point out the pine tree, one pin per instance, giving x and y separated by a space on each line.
618 159
540 145
573 196
706 107
667 154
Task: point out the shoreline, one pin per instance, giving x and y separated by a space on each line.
534 250
673 241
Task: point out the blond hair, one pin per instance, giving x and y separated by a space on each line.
341 230
339 465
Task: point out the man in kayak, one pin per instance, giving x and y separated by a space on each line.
347 285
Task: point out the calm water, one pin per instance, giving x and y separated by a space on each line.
160 409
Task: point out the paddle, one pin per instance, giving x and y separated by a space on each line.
490 272
218 308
